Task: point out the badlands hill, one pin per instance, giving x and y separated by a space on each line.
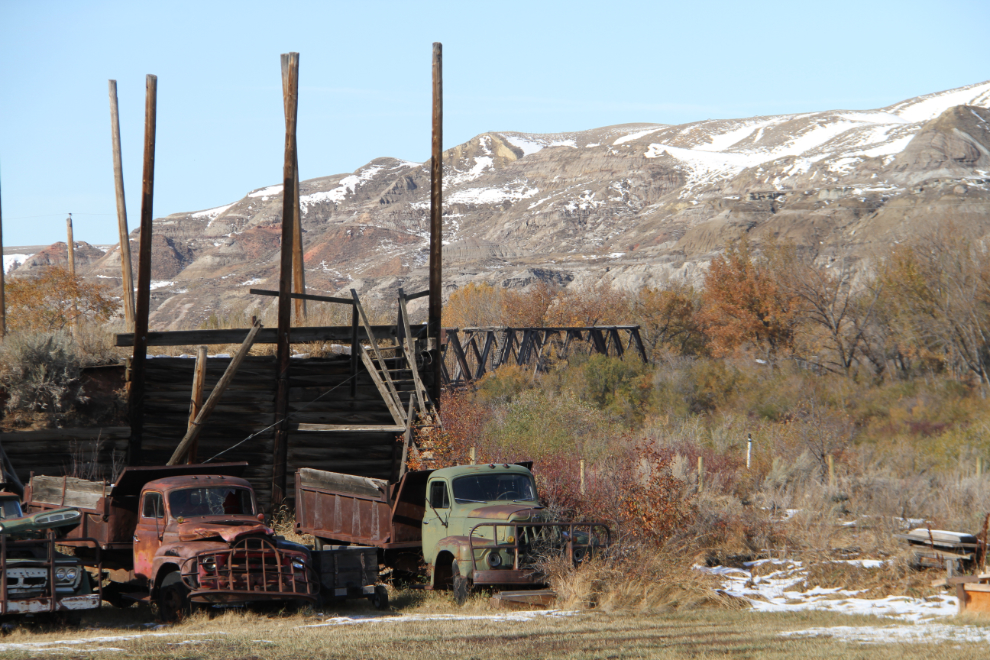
632 204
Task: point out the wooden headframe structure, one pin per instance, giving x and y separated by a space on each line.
281 413
470 353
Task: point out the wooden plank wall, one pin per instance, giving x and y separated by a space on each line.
319 394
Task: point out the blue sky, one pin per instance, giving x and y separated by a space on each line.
365 83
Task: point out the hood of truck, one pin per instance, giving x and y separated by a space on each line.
507 512
229 530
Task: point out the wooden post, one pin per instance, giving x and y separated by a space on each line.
355 350
831 472
436 218
70 246
290 63
581 464
749 449
197 426
125 241
298 272
143 302
701 473
472 456
196 402
3 301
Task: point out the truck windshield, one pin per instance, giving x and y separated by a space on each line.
212 501
493 487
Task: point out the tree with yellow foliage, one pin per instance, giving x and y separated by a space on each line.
54 299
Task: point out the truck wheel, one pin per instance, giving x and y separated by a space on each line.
380 598
173 599
462 585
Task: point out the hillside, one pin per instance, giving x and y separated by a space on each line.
632 204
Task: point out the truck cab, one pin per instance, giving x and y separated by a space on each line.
188 535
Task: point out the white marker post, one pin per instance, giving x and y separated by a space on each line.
749 449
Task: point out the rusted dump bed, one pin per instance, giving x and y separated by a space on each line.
109 510
342 508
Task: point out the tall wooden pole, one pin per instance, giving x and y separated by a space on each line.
143 302
125 241
71 250
3 301
298 272
196 401
290 64
436 217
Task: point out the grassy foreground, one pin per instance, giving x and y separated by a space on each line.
238 635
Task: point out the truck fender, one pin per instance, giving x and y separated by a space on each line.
161 570
455 547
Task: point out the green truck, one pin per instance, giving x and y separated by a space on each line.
36 579
469 526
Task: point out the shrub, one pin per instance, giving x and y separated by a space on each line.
40 371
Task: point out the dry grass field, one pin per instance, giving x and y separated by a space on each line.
428 627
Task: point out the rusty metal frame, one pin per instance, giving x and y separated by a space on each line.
254 569
528 575
51 601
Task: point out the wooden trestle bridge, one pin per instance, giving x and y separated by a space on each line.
470 353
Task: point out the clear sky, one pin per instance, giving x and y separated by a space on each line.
365 83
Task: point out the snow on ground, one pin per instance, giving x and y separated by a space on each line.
265 193
924 633
161 284
489 195
12 260
530 144
775 593
345 187
91 644
519 616
636 135
211 213
253 280
932 105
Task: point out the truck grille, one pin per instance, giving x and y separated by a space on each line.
254 569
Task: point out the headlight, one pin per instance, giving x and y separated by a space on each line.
70 574
210 563
494 559
298 565
60 573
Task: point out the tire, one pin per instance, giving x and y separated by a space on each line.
380 598
462 585
173 599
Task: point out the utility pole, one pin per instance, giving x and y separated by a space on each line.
3 301
436 220
125 241
71 247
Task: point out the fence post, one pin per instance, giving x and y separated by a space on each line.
472 456
831 472
749 449
581 464
701 473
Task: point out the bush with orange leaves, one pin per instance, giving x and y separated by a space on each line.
54 299
744 302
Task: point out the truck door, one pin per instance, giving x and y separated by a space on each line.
435 518
148 532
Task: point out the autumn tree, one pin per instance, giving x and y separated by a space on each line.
54 299
744 303
527 309
600 304
667 320
940 291
835 316
474 305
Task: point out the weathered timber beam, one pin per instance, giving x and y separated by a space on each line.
414 296
303 296
302 335
340 428
211 403
503 328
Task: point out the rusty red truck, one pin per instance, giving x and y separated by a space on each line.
467 526
182 535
